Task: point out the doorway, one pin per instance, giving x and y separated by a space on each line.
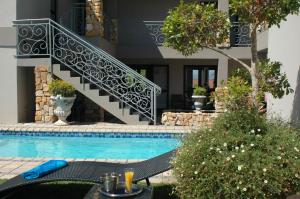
26 94
204 76
159 74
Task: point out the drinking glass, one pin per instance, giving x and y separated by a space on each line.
129 173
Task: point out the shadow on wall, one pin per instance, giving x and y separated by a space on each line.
295 117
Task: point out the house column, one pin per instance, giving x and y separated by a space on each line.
44 107
223 5
222 70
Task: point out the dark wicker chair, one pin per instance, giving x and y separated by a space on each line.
91 172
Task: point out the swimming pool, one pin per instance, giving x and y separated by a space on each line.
72 145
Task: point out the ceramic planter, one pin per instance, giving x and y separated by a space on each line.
198 101
62 108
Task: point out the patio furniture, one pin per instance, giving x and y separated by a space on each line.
91 172
94 193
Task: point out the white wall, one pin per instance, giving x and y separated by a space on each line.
7 12
284 46
8 86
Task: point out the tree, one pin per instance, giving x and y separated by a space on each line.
193 26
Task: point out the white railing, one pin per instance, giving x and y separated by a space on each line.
44 37
240 33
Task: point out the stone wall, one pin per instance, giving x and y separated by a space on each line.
195 119
43 105
94 18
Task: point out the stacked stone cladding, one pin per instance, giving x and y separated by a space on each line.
94 18
43 105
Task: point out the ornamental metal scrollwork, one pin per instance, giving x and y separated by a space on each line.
241 33
155 31
91 63
32 39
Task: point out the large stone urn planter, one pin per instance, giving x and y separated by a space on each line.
199 101
62 108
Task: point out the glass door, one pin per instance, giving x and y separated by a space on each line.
204 76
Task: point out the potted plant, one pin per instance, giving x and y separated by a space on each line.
199 95
63 97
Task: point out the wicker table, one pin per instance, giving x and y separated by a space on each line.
94 193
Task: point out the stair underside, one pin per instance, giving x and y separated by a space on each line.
103 101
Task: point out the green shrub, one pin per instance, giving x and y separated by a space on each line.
237 162
235 94
242 120
198 90
60 87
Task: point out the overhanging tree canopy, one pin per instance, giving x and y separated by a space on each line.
193 26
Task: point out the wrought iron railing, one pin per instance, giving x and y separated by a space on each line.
155 31
239 37
44 37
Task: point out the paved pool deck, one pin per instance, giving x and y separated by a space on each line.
96 127
11 167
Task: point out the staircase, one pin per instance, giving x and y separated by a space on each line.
102 78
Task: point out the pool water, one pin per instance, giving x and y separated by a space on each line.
85 147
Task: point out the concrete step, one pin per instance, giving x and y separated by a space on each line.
104 100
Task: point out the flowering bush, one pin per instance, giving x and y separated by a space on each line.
239 162
235 94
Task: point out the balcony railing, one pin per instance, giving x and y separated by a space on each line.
239 36
155 31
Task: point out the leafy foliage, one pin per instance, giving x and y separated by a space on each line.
198 90
191 26
60 87
253 158
258 12
235 94
270 79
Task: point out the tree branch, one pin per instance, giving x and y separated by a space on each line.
229 56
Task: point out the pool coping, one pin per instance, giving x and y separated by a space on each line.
94 128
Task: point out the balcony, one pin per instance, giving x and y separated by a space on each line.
239 34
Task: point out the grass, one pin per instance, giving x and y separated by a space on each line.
76 190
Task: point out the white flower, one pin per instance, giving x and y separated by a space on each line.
297 175
196 172
240 167
237 187
245 189
278 157
225 144
181 175
228 158
243 151
211 148
218 149
258 130
240 182
252 145
237 148
203 163
225 110
265 170
233 156
296 149
242 146
210 130
266 181
252 131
